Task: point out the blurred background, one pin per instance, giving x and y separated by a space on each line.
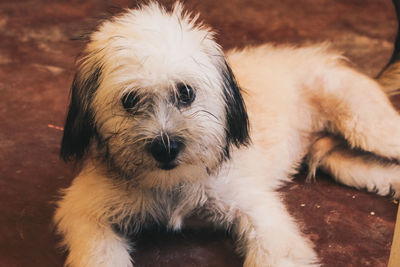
39 43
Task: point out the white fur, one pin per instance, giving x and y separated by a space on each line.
292 94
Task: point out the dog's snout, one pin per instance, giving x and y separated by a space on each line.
165 149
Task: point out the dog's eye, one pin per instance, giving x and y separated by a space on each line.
186 94
129 100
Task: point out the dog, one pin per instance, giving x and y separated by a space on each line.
165 126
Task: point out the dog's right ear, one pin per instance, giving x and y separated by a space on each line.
79 127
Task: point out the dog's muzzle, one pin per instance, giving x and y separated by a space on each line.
165 149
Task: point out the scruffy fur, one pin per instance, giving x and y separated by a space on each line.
301 103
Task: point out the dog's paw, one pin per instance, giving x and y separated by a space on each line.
395 189
294 263
299 255
270 260
100 253
102 261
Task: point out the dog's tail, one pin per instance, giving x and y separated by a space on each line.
389 77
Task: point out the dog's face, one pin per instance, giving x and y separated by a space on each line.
154 99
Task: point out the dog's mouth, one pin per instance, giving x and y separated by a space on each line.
167 166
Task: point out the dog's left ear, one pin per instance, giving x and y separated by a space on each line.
79 127
237 130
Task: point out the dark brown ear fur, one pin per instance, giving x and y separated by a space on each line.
237 130
79 126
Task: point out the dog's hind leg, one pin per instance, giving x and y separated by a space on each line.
358 107
354 106
354 168
389 77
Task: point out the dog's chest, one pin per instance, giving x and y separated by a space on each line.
168 207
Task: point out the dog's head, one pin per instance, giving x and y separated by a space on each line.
154 99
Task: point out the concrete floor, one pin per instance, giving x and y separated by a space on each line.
37 54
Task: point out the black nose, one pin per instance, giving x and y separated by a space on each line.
165 149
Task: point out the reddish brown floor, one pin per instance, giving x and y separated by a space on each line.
37 56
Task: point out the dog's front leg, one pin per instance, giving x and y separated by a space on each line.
266 234
93 245
82 218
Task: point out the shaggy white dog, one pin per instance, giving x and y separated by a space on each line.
159 123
